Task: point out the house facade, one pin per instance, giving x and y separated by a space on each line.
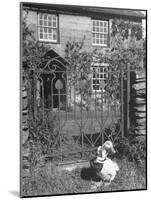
55 25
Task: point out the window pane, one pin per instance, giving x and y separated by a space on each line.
101 30
50 18
45 30
49 30
54 24
105 24
54 18
41 36
40 16
105 30
94 82
50 36
45 23
41 22
105 41
97 35
50 23
99 76
55 37
54 31
94 75
45 17
96 87
41 30
45 36
101 36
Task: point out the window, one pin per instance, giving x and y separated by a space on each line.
100 33
47 27
99 78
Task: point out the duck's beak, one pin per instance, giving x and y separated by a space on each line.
113 150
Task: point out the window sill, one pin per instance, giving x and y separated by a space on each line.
100 45
48 42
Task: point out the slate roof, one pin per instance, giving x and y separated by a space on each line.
87 10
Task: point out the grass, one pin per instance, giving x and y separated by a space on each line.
48 181
130 177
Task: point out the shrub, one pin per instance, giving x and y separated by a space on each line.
41 141
122 145
132 148
137 150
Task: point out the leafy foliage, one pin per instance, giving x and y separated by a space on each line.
33 51
131 148
79 68
79 61
126 48
126 29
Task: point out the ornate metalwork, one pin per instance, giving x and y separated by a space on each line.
71 117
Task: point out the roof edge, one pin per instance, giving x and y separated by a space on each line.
87 10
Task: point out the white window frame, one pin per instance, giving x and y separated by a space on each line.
48 27
101 74
100 32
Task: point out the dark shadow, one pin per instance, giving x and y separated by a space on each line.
96 137
89 175
15 193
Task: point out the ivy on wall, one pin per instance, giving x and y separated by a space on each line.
32 50
126 47
126 29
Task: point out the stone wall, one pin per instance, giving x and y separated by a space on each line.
138 102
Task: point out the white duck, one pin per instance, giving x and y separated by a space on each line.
103 166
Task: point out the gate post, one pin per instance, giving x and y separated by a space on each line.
34 94
122 103
128 96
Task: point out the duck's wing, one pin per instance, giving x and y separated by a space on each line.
96 165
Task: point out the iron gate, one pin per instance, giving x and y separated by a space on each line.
75 116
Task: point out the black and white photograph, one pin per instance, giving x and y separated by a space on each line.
83 104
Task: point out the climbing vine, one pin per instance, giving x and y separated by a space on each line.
126 29
33 51
126 48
